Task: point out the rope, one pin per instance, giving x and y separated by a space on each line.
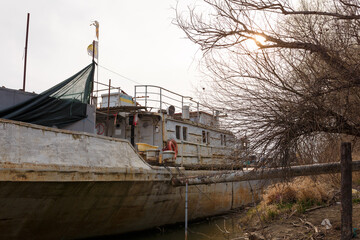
119 74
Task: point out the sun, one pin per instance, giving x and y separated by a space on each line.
254 42
259 40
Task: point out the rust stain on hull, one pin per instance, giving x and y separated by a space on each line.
78 209
48 192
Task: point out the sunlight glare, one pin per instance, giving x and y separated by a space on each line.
252 44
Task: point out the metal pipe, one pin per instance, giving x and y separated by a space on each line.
97 69
119 97
26 47
108 111
270 173
182 104
198 113
186 210
145 96
160 100
182 153
92 85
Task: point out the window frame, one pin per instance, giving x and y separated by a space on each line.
184 133
178 132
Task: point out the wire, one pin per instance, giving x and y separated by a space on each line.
119 74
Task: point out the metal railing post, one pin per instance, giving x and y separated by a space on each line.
186 211
108 111
145 96
182 103
160 99
198 112
118 100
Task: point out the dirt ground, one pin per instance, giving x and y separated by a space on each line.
306 226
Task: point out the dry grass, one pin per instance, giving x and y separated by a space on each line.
295 197
356 178
300 189
298 195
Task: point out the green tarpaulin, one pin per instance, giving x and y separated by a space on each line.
59 106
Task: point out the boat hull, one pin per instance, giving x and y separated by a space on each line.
70 210
57 184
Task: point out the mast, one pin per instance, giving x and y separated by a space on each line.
26 46
95 51
93 61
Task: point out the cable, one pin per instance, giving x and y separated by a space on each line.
119 74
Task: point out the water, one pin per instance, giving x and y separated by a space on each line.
224 227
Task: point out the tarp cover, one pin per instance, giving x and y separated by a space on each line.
58 106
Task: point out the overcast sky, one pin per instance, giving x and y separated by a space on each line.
137 40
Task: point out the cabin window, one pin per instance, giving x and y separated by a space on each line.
177 131
208 137
184 133
224 140
203 136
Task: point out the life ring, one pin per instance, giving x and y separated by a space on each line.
100 129
172 145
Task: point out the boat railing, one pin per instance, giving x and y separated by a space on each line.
153 99
160 99
107 90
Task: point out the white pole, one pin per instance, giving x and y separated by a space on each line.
97 72
186 210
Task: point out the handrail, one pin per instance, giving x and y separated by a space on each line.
158 97
162 94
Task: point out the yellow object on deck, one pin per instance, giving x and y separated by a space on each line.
144 146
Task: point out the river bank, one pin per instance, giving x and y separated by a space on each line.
302 209
305 226
308 225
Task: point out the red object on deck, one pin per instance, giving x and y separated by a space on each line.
172 145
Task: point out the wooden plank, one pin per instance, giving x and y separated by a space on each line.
346 191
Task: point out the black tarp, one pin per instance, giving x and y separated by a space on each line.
58 106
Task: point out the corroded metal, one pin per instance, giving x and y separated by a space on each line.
80 207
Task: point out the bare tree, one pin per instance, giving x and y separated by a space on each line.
288 74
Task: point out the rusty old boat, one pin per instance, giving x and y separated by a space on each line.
72 169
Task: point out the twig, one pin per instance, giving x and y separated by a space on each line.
296 225
221 229
225 227
314 208
311 225
292 213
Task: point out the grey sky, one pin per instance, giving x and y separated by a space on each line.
137 40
